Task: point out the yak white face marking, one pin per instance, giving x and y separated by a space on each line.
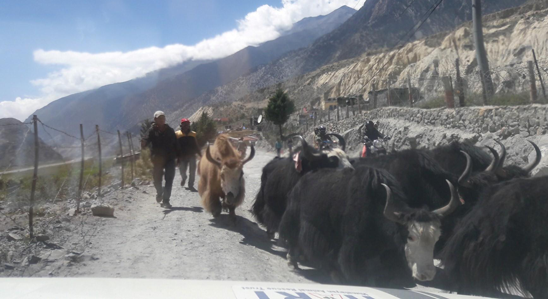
231 182
419 249
343 159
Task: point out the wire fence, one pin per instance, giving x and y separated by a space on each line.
64 179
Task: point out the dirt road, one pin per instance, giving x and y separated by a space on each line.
146 241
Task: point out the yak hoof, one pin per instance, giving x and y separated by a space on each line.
216 213
270 234
292 261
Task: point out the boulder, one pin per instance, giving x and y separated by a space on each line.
102 210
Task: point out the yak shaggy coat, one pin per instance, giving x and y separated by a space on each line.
222 180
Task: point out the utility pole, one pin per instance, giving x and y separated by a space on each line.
532 81
460 84
539 76
481 54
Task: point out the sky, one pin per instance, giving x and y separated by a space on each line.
51 49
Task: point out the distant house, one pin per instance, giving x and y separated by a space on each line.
398 97
329 104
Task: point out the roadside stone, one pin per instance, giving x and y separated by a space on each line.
9 266
33 259
102 210
42 238
71 212
14 237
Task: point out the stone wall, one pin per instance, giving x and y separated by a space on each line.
421 128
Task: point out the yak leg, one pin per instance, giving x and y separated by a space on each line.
270 233
293 257
232 214
213 203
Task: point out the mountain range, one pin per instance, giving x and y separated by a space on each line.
17 146
312 43
124 105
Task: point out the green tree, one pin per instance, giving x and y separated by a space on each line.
205 128
279 108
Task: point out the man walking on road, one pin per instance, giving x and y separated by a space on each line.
188 146
278 147
163 154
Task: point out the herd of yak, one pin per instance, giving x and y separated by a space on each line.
381 221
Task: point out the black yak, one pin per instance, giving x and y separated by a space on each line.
356 225
281 174
450 158
503 242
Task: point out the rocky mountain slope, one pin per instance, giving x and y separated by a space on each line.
17 146
509 35
124 105
378 25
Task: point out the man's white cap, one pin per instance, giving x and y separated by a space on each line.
158 114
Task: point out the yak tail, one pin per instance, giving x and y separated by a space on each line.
260 201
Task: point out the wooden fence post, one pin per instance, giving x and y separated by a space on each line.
539 76
347 107
374 95
132 152
534 94
460 84
34 176
449 98
122 157
338 117
410 90
81 181
360 105
389 95
100 159
483 90
328 114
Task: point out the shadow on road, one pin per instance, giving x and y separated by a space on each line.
253 235
190 209
314 275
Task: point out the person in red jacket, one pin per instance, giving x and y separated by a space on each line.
188 149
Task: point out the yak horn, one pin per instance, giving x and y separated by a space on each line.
453 203
284 138
502 155
251 155
389 209
210 159
468 170
307 153
495 163
535 163
342 142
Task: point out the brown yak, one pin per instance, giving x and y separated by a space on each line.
222 184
